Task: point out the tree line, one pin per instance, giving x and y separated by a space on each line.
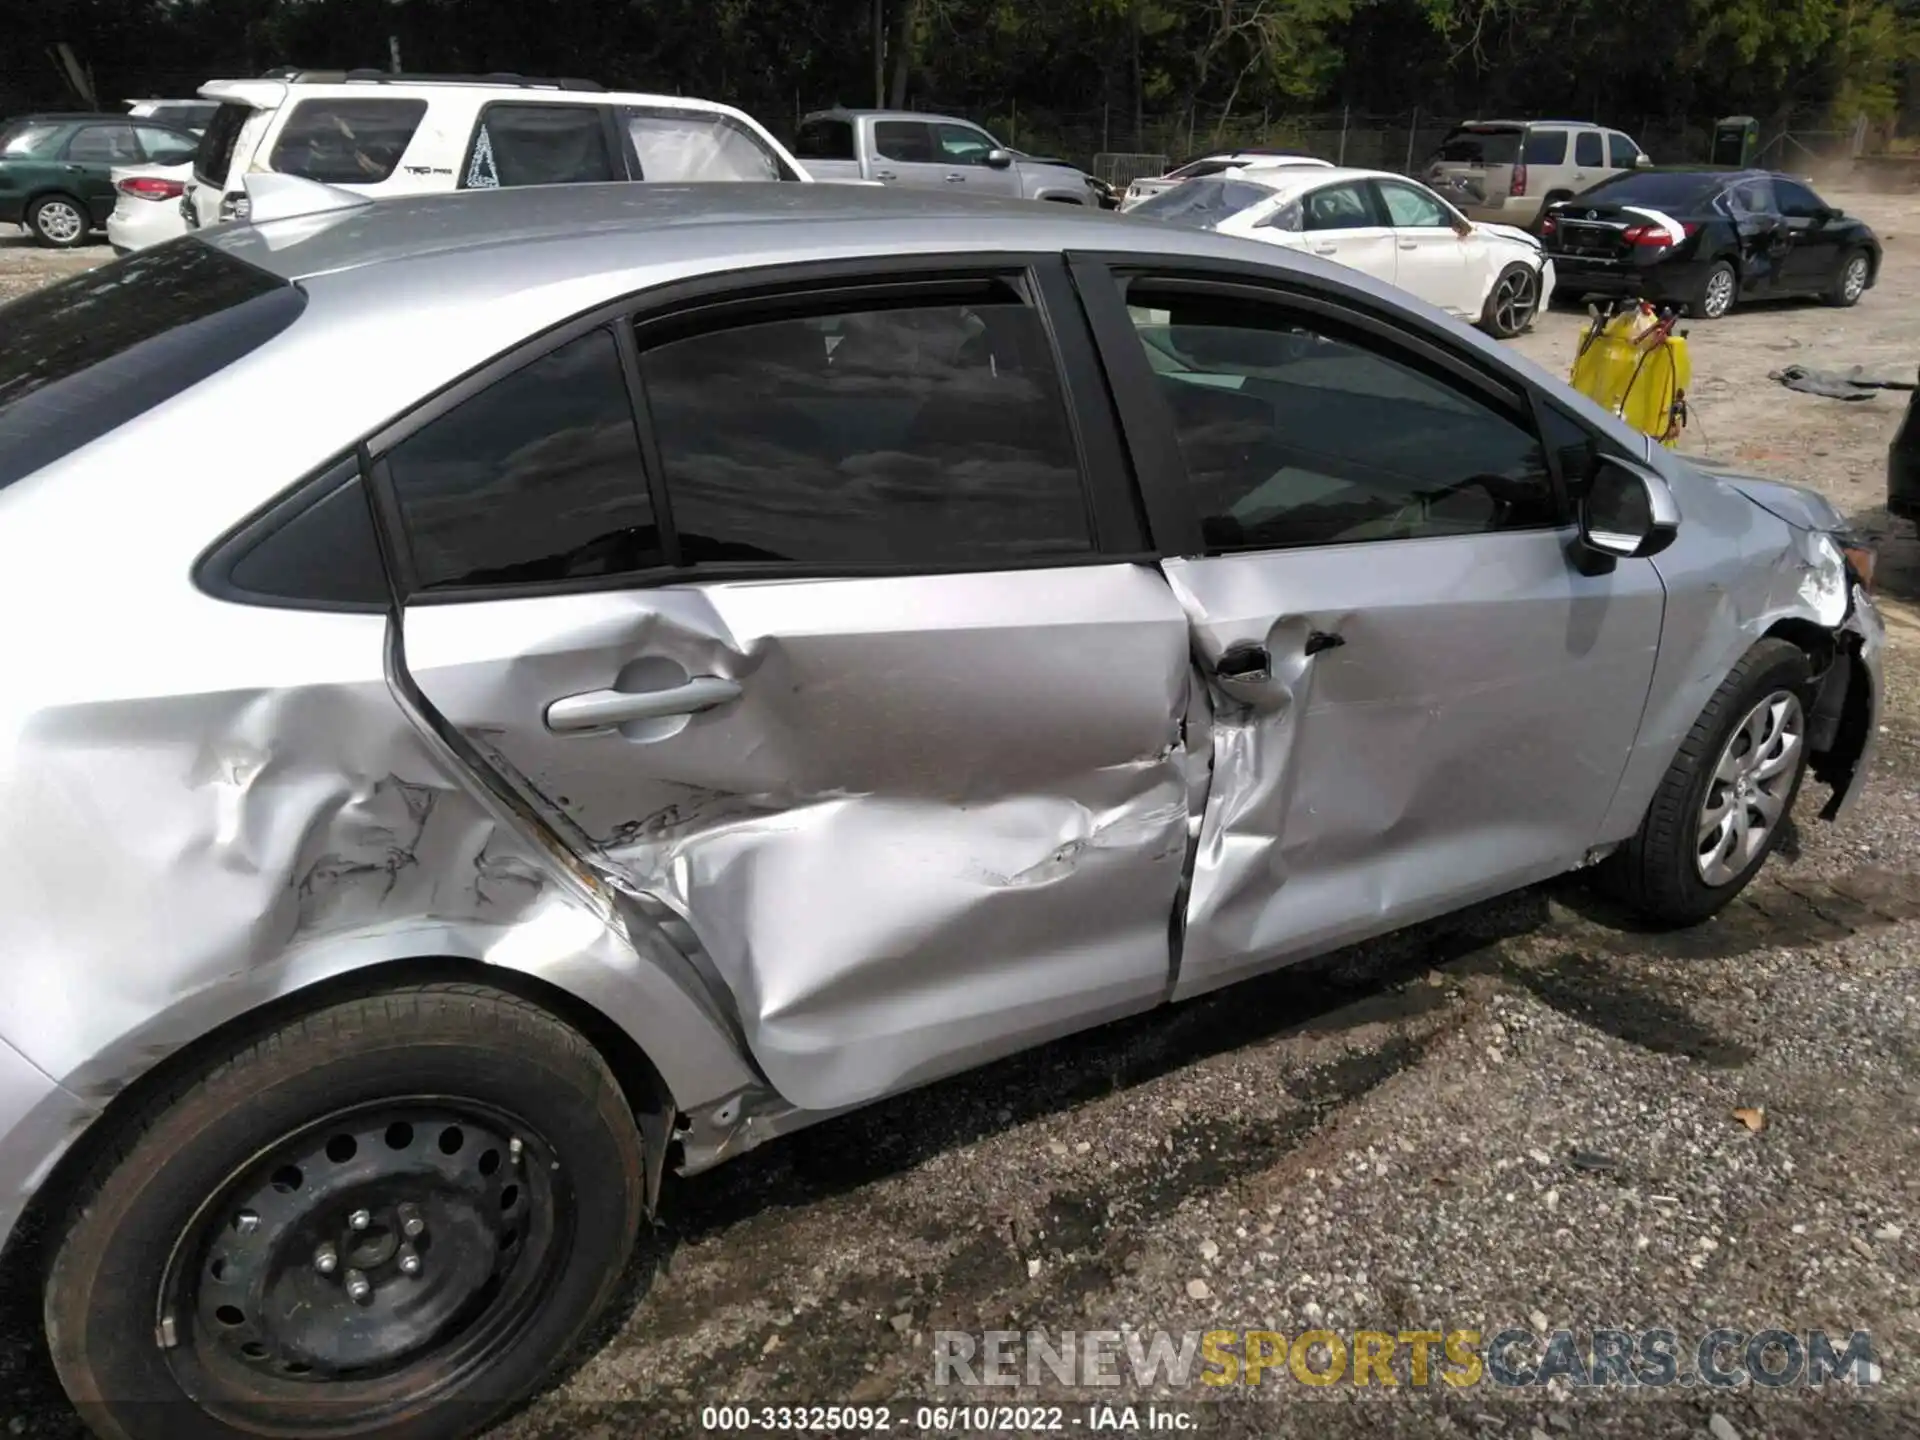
1124 58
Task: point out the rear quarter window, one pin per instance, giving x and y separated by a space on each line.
1546 147
29 138
346 142
86 356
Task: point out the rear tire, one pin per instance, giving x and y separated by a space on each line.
461 1154
59 221
1849 280
1719 289
1684 865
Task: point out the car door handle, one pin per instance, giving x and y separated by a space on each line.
1245 662
1325 249
603 709
956 179
883 175
1319 640
1409 244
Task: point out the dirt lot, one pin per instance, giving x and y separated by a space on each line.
1522 1117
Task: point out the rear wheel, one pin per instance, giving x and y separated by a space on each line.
1719 287
1849 279
390 1219
1512 302
58 220
1719 811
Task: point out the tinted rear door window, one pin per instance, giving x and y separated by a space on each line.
535 479
1587 149
346 142
825 140
929 435
908 141
83 357
103 145
518 144
1546 147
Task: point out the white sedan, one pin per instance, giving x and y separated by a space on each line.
146 209
1393 228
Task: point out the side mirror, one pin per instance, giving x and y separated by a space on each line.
1627 513
1643 162
998 159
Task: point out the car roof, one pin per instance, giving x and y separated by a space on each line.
271 92
50 117
1288 179
1522 124
843 112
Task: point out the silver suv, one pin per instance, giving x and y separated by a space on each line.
651 668
1509 171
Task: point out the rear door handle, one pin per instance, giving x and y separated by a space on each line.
956 179
883 175
603 709
1409 244
1325 249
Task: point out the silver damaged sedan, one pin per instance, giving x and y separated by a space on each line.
511 692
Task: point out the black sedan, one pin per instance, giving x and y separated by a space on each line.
1706 239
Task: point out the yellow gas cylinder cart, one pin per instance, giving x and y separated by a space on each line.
1633 362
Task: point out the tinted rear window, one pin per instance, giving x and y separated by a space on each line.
86 356
1480 146
1674 190
1203 202
825 140
346 142
1546 147
215 156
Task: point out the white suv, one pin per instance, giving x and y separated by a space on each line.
379 134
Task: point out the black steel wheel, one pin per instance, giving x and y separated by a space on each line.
389 1219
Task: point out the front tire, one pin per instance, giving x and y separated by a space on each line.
1720 809
1849 280
390 1218
1512 303
58 221
1719 288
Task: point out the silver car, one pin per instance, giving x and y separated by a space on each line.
570 682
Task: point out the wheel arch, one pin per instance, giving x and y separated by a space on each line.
646 1089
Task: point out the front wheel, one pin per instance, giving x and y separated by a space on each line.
1512 302
388 1219
1849 280
1719 811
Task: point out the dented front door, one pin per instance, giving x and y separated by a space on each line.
1414 698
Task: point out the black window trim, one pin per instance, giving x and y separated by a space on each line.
1107 484
1148 427
621 159
213 570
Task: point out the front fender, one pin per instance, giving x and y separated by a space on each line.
1736 572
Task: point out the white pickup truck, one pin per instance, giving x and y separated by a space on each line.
932 152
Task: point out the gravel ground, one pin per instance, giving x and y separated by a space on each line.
1523 1116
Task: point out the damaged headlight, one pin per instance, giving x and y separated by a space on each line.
1860 557
1824 586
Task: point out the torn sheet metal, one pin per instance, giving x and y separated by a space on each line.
945 818
1464 738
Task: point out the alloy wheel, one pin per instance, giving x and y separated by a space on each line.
1514 301
364 1262
1853 282
1751 785
1719 297
59 221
